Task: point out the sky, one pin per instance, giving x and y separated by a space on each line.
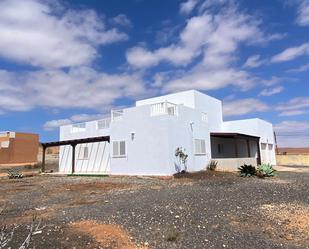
72 61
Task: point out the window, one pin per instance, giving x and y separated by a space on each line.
119 149
200 146
171 110
204 117
83 152
270 147
78 127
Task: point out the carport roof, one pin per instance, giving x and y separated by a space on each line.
232 135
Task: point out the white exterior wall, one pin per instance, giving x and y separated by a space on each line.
255 127
196 100
156 137
98 160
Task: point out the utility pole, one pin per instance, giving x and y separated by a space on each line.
275 137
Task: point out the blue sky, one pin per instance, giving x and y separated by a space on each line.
72 61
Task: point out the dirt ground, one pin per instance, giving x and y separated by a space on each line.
203 210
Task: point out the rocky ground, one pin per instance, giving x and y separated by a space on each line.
205 210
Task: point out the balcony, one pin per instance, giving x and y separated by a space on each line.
163 108
103 123
116 115
78 127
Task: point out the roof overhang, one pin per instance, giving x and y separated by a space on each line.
232 135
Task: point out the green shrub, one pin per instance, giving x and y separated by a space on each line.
266 170
212 165
14 173
247 170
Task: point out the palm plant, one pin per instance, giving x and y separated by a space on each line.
247 170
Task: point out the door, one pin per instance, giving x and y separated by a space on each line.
264 153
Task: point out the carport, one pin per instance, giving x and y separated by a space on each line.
235 148
73 143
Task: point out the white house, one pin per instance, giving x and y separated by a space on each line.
143 138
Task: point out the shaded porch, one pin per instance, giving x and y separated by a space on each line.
232 150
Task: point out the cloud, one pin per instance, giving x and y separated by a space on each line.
62 43
53 124
293 112
188 6
46 34
302 68
291 53
121 20
275 80
303 13
86 117
180 54
271 91
296 106
206 51
205 79
291 126
243 106
254 61
292 133
80 87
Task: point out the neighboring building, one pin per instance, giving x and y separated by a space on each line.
143 139
18 148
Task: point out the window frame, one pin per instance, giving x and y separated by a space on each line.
201 152
81 154
119 149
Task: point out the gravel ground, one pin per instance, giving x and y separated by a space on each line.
204 210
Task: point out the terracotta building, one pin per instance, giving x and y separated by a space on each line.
17 147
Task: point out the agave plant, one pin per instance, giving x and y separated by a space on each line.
266 170
247 170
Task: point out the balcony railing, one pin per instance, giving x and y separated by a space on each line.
116 115
78 127
103 123
163 108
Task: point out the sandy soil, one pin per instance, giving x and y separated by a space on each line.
201 210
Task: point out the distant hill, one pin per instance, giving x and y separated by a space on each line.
287 150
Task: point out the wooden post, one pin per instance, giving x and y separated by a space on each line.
248 148
236 149
43 159
73 157
258 152
275 137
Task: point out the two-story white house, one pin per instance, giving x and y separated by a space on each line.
143 138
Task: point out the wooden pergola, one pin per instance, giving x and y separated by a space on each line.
73 143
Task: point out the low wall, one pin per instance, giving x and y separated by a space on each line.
296 160
231 164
